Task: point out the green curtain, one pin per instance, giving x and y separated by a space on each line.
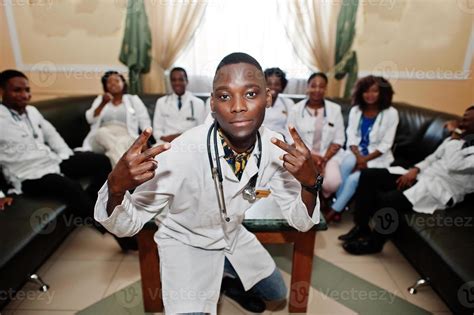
346 59
136 44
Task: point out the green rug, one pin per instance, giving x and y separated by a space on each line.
337 284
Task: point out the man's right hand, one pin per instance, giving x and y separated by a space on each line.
136 166
107 97
5 201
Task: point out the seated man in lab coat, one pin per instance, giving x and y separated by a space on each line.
179 111
201 237
35 159
438 182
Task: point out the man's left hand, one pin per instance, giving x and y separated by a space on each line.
298 160
408 179
5 201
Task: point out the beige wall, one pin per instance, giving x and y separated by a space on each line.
392 36
82 36
410 41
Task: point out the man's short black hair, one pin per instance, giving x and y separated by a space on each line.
278 73
470 108
318 74
10 74
239 57
179 69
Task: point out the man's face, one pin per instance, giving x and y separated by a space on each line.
16 93
178 82
467 122
239 99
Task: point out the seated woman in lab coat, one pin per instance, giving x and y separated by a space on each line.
276 115
370 134
321 126
438 182
201 237
116 118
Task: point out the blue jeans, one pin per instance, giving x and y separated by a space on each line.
350 181
272 288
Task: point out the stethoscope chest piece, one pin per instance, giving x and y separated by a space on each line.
249 194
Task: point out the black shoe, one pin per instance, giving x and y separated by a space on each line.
363 246
355 233
127 243
234 290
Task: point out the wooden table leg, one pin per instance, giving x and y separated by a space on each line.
150 271
302 268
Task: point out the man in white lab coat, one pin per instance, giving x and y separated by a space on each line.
201 237
438 182
179 111
35 159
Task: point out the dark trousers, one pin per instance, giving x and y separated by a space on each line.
67 189
377 195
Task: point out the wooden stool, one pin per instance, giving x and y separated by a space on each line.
268 231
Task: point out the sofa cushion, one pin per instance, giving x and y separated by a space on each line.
450 234
23 221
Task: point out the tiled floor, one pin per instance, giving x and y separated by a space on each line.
89 267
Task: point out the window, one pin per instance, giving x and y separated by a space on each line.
249 26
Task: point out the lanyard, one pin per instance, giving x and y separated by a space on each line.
17 117
305 109
249 191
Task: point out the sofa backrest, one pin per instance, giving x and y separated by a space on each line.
419 132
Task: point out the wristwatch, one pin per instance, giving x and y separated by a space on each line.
317 186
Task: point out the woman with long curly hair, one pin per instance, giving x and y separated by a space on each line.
371 131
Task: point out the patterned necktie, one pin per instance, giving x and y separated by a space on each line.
237 161
179 103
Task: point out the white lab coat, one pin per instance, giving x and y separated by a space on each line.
137 117
276 116
448 173
168 119
24 157
333 129
381 137
193 239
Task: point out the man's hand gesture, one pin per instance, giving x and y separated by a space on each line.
136 166
298 160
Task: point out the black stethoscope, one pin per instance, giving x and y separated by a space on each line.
369 130
17 117
305 109
248 192
192 118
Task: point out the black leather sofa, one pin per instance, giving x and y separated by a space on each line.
440 252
